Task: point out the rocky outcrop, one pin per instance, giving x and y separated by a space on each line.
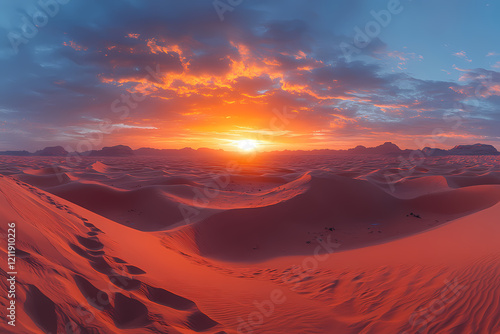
53 151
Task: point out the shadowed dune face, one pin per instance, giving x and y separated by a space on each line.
354 213
145 209
316 245
41 309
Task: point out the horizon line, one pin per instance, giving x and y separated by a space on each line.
256 150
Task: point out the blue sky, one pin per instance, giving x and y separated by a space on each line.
221 81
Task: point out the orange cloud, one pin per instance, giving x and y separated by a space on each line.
75 46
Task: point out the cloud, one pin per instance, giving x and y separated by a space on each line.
186 78
462 55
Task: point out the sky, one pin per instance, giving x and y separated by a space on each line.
281 74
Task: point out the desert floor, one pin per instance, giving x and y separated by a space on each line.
286 244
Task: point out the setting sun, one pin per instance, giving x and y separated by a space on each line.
247 145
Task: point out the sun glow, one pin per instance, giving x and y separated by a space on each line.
247 145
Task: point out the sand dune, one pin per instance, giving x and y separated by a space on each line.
98 167
471 180
354 213
146 209
46 180
329 250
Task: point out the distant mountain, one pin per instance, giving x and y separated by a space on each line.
434 152
181 152
113 151
156 151
476 149
385 148
54 151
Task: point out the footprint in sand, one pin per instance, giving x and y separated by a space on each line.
96 260
197 321
124 282
97 298
96 253
129 312
133 270
118 260
79 251
168 299
90 243
100 265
